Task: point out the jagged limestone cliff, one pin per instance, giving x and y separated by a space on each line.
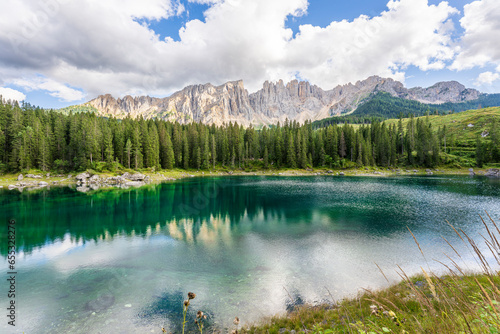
275 102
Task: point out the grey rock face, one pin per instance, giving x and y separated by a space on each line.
275 102
442 92
33 176
295 101
83 176
95 179
136 177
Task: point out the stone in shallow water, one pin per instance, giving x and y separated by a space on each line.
101 303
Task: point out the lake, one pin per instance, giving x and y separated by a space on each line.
122 261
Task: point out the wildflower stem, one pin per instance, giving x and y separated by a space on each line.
184 321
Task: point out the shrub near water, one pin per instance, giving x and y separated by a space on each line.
459 302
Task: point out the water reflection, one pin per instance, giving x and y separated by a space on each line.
120 261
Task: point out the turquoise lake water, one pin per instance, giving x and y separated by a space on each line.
122 261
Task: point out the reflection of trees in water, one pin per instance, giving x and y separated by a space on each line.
204 209
46 216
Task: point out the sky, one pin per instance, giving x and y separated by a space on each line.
56 53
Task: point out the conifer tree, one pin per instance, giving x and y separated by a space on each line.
291 159
401 134
177 144
303 153
59 137
342 146
44 158
137 148
185 151
197 158
128 151
154 147
266 158
167 151
2 147
119 142
108 145
213 151
15 136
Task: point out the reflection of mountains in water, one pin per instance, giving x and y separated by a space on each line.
205 210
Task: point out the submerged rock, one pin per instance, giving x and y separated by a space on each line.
100 304
83 189
134 184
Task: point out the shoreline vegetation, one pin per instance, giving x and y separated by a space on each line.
36 179
49 141
460 301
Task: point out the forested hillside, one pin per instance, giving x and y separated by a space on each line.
383 105
48 140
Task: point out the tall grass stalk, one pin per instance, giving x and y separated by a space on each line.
461 301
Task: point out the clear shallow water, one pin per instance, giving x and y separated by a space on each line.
244 245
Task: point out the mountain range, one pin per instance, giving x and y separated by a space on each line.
275 102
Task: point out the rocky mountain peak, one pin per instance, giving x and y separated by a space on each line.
276 101
441 92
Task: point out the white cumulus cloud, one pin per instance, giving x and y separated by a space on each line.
409 33
480 44
487 78
108 47
53 88
11 94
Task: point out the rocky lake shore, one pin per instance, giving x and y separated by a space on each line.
89 181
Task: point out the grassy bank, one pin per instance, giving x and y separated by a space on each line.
422 304
458 302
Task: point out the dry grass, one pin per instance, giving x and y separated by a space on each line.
458 302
